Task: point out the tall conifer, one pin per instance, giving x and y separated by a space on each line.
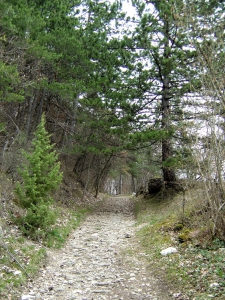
165 66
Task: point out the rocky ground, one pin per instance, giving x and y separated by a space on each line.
101 260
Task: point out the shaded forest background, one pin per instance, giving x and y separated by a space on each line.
127 97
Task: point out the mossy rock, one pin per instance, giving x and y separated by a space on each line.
178 226
184 236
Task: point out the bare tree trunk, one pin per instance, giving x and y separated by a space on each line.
73 121
168 174
88 176
120 184
133 184
100 175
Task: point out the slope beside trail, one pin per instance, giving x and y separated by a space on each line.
98 261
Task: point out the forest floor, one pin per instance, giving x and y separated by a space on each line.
101 259
114 252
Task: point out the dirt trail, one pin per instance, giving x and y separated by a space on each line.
97 261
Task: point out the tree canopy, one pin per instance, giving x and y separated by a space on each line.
109 81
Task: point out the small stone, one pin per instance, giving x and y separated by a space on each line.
103 283
100 291
78 291
17 272
132 279
27 297
176 295
168 251
214 285
1 233
127 236
94 235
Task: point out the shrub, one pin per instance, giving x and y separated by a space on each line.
41 175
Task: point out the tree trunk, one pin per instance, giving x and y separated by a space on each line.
100 175
168 174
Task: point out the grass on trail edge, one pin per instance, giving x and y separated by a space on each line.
197 270
21 258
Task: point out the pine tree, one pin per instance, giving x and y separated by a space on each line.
164 65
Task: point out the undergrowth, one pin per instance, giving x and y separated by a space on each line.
197 270
22 257
69 220
19 262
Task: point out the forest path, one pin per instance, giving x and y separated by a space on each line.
98 261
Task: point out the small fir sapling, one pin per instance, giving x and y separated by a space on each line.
41 175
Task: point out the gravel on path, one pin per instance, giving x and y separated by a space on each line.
100 260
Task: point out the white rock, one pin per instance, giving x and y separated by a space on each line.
176 295
78 291
94 235
27 297
17 272
214 285
168 251
1 232
132 278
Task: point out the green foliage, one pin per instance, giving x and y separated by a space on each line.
162 73
41 175
37 221
111 77
9 79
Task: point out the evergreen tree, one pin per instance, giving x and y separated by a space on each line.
41 175
164 65
12 49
